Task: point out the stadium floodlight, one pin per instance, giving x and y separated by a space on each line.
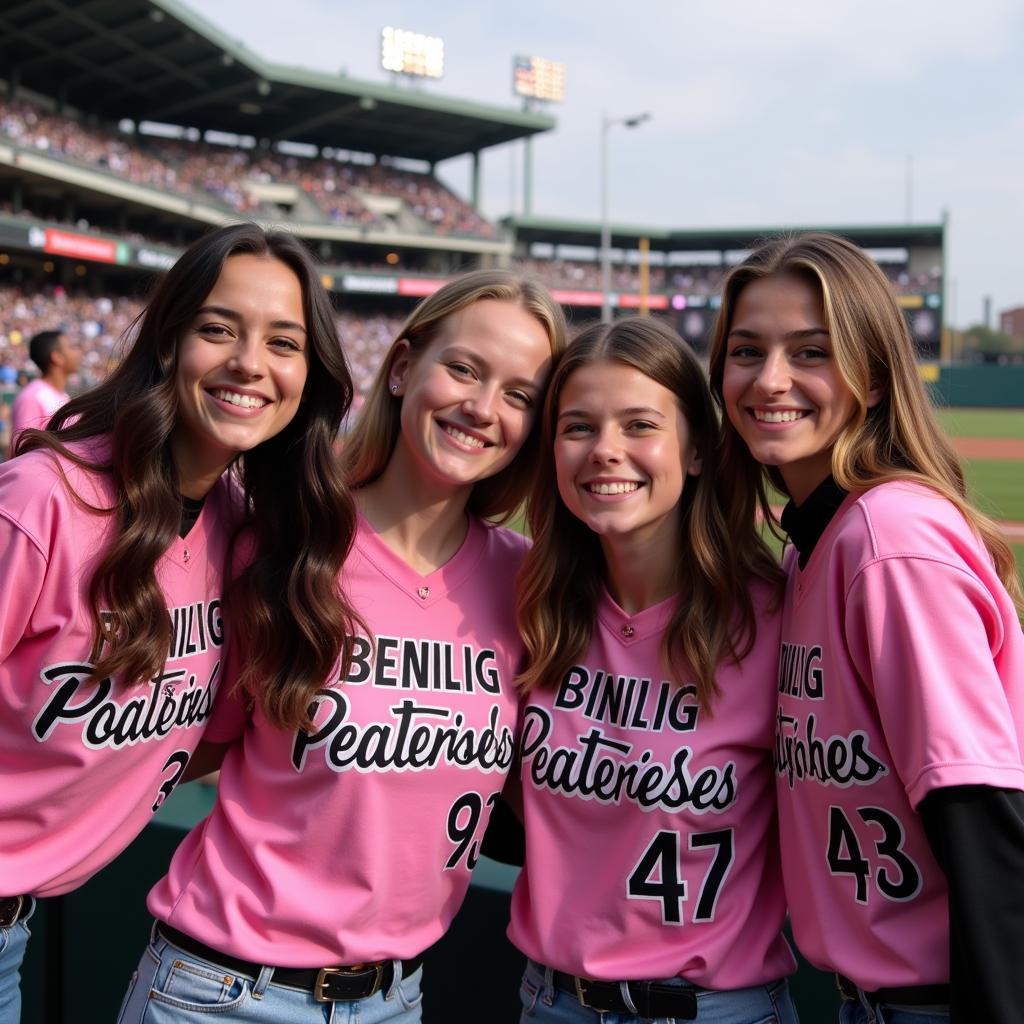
410 53
538 79
607 123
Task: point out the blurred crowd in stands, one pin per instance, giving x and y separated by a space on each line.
688 280
96 325
200 171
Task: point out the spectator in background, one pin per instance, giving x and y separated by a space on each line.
41 398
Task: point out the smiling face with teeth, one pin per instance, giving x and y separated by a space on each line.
781 385
242 367
623 452
470 398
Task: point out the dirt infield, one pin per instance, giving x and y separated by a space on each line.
989 447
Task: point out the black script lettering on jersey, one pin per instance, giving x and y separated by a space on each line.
405 664
800 673
601 769
134 715
623 700
417 737
839 760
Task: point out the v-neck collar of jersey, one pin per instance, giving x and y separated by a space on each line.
632 629
423 590
803 578
186 551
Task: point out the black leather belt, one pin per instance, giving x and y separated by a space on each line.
325 984
13 909
908 995
651 998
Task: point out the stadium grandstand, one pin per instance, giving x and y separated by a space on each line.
129 127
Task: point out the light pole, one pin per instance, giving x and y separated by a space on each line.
606 231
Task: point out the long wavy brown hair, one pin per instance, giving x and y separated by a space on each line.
561 580
285 613
369 447
899 438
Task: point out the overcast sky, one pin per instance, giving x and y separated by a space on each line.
798 112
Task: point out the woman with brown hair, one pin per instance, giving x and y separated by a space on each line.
340 848
651 887
116 532
900 737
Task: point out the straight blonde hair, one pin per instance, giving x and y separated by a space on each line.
560 582
899 438
370 445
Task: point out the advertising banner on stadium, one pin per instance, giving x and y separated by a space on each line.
79 247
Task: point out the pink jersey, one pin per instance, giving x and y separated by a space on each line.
650 825
85 766
901 671
33 406
355 842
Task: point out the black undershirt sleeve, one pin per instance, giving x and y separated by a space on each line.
977 835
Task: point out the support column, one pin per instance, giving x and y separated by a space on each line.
528 176
475 182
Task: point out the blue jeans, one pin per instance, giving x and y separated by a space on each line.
855 1011
171 985
761 1004
13 941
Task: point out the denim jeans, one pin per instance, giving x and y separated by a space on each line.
761 1004
855 1011
171 985
13 941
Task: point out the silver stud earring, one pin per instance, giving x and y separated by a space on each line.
394 389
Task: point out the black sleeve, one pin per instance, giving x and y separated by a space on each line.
504 840
977 836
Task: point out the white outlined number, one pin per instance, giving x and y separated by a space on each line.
845 857
463 819
657 875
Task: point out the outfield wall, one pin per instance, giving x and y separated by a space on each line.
976 386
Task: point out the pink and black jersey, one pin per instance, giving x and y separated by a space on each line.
85 765
355 841
901 672
651 847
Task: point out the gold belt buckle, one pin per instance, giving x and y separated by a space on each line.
579 983
320 985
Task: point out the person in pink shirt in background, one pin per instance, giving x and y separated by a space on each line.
651 887
117 527
38 400
900 729
341 843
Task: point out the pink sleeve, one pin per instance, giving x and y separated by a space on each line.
22 571
926 637
230 710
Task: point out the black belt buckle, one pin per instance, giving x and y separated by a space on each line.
656 999
10 910
321 986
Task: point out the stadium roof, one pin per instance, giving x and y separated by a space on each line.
588 233
159 60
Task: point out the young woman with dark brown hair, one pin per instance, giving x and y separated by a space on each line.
116 537
651 886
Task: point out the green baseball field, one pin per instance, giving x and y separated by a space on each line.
991 443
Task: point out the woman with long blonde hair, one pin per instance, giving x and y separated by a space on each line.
900 737
341 847
651 886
